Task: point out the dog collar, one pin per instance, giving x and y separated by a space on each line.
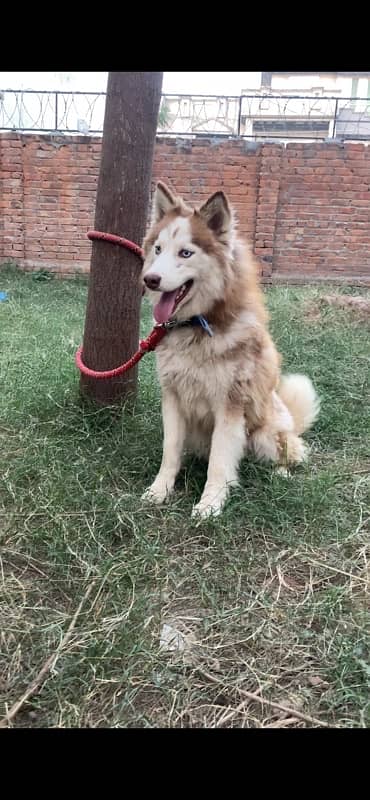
197 320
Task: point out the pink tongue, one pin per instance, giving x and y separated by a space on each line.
166 306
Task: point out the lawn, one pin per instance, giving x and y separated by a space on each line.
270 601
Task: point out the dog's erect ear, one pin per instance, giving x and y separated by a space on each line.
217 214
163 202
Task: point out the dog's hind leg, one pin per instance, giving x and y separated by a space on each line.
173 443
276 440
282 448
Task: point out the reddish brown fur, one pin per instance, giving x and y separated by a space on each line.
235 375
155 230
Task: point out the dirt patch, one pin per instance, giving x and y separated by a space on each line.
312 312
356 303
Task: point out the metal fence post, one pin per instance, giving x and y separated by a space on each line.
240 114
335 118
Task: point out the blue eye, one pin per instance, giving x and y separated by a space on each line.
157 249
185 253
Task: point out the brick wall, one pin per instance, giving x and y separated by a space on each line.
304 207
323 213
47 199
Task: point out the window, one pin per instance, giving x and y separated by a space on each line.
266 80
287 128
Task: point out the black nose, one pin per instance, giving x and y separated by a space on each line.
152 281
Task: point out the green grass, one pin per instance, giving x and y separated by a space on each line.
274 593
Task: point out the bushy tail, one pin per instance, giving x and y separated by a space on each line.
298 394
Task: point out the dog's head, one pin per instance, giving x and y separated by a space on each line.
186 255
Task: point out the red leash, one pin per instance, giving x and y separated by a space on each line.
111 237
146 345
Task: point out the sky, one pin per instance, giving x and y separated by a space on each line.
227 83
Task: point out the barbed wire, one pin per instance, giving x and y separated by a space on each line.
251 116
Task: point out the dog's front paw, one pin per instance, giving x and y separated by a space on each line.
283 471
212 501
205 509
157 494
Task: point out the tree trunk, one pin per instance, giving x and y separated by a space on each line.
113 305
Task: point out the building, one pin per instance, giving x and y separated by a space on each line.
308 105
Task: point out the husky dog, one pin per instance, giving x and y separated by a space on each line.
219 370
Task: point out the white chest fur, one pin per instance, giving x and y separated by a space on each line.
202 369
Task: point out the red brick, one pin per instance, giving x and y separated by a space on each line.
305 205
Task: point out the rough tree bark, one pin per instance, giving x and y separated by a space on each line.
113 306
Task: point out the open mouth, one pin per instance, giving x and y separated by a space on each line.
169 301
